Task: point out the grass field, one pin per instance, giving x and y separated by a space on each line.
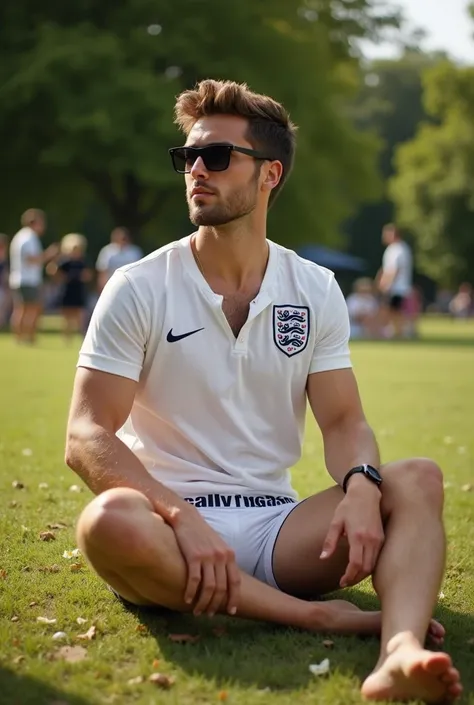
419 397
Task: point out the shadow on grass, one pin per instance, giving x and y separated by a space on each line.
250 654
19 689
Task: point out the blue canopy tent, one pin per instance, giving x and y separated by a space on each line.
332 259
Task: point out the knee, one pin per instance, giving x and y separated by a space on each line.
109 523
420 480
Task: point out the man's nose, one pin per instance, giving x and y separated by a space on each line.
198 170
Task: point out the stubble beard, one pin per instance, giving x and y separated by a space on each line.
238 206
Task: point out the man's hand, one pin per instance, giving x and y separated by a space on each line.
213 576
358 518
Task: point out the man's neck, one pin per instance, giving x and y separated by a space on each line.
233 254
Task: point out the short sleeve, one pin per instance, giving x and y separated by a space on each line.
331 348
116 339
30 248
103 260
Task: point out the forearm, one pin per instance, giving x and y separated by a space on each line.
347 444
103 462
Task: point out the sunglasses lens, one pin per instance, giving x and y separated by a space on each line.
183 160
216 158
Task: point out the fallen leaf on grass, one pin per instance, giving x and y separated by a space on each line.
43 486
75 567
46 620
26 569
16 642
184 638
219 631
18 659
89 635
161 680
81 620
71 654
47 536
48 568
156 663
3 574
59 635
75 488
15 619
466 488
328 643
141 628
75 553
135 681
58 525
17 485
223 695
33 604
320 669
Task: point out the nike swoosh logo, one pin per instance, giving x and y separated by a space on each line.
173 338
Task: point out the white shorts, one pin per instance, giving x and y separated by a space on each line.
249 524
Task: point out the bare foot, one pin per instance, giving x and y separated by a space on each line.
411 673
347 618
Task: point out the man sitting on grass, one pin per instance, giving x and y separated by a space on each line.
189 406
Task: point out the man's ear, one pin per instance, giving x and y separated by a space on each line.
274 172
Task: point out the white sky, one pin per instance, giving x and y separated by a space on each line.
447 23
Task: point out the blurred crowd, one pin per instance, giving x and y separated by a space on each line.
59 277
390 305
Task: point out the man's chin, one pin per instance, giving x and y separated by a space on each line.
205 218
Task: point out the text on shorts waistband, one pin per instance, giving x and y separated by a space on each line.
237 501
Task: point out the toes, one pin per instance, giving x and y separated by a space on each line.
452 675
437 664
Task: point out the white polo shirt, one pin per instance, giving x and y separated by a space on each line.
24 244
213 413
398 256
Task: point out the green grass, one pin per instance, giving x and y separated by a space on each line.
419 397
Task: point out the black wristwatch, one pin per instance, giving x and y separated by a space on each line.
368 470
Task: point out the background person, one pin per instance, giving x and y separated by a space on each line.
395 279
119 252
5 297
73 274
462 303
363 309
26 273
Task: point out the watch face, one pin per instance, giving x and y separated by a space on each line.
372 472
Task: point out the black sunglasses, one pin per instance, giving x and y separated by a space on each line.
216 157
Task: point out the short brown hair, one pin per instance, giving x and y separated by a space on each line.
270 128
32 215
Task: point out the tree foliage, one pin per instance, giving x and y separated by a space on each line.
434 186
390 103
87 92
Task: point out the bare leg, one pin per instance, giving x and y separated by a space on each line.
30 321
134 551
413 555
17 319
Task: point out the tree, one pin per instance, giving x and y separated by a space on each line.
433 188
88 88
390 103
